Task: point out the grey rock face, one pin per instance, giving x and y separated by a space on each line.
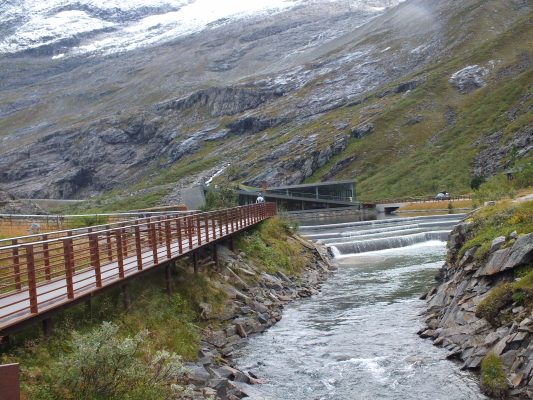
495 156
451 312
251 125
222 101
469 78
299 167
361 131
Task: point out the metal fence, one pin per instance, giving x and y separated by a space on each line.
42 275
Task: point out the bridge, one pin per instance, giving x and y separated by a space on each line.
41 277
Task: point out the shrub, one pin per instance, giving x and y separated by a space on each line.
103 365
493 379
223 197
88 220
498 298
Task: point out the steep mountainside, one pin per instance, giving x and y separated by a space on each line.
421 96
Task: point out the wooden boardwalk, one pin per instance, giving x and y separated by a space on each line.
40 278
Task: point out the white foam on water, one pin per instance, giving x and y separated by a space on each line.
393 251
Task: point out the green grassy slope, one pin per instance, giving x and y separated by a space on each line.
401 158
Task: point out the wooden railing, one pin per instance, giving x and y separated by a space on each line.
40 276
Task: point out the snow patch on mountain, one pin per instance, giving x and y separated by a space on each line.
74 27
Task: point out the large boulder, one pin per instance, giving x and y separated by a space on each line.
469 78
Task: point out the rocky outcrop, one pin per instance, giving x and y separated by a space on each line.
497 156
362 130
251 125
306 157
255 302
469 78
90 159
455 322
222 101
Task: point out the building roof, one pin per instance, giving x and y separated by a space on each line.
304 185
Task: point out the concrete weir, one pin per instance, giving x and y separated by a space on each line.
387 208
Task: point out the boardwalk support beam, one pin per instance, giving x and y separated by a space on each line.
195 262
126 296
168 278
48 327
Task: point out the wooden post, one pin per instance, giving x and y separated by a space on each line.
125 243
168 238
89 306
32 284
199 231
215 256
231 245
220 223
160 231
16 264
10 381
120 253
180 243
168 279
109 244
46 256
195 262
154 243
206 227
68 254
189 231
213 226
126 296
95 259
138 249
48 327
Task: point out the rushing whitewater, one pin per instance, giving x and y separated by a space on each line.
357 338
347 239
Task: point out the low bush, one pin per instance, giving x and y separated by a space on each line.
271 245
494 221
494 302
493 379
104 365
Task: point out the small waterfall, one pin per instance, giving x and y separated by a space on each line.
364 246
381 222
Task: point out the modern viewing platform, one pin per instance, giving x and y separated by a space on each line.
309 196
41 277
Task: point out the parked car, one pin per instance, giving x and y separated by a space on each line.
442 196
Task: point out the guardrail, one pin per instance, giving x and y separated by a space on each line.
57 225
40 276
419 199
310 195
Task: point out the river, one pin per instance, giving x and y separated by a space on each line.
357 338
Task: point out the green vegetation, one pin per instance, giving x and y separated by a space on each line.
163 328
493 379
500 187
223 197
520 292
103 365
400 158
499 220
137 354
494 302
90 220
271 246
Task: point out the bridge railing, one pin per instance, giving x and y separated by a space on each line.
58 221
40 275
418 199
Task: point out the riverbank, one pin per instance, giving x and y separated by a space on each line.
255 302
481 310
183 342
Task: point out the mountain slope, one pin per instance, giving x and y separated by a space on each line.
373 103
